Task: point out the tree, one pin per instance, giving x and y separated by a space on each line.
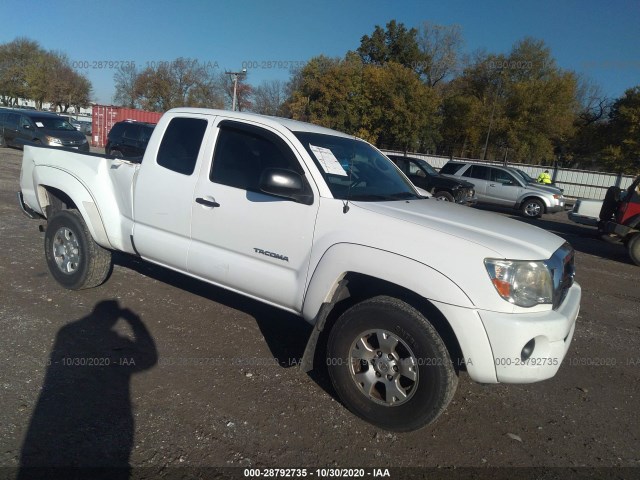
269 97
16 58
125 85
439 47
182 82
622 153
393 44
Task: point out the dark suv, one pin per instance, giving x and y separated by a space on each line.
128 139
41 128
426 177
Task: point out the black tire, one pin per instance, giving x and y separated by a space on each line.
2 142
419 349
532 208
116 154
633 245
443 196
74 259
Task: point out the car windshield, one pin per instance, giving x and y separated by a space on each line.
524 176
355 170
52 123
428 168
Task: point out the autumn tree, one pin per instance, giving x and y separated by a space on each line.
269 97
395 43
182 82
439 47
125 84
622 152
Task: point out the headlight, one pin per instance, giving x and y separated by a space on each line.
521 282
53 140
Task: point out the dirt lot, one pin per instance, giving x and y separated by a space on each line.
210 380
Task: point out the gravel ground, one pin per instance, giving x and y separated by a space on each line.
200 377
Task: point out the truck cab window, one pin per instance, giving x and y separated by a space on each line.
241 155
181 144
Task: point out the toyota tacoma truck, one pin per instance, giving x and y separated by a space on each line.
403 292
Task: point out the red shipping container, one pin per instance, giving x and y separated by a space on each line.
105 116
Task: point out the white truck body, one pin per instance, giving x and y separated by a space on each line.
294 255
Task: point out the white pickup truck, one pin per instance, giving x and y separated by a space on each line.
408 291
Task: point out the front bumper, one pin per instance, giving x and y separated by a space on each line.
552 332
559 207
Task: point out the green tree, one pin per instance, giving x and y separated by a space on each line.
622 153
396 43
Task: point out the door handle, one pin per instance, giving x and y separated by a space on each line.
492 184
207 203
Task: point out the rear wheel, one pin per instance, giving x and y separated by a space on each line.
532 208
74 259
634 248
443 196
116 153
389 365
2 142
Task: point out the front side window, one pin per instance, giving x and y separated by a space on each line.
243 152
355 170
451 168
501 176
181 144
53 123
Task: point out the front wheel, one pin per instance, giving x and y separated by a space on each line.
74 259
532 208
634 248
389 365
443 196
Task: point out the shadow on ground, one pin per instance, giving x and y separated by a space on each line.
83 417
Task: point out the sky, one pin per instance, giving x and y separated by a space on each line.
600 40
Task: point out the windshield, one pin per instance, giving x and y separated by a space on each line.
355 170
428 168
526 177
52 123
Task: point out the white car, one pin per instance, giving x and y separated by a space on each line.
317 222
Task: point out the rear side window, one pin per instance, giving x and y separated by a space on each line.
181 143
243 152
451 168
477 171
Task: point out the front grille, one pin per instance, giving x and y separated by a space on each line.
562 268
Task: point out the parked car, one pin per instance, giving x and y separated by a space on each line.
426 177
400 289
20 126
499 186
128 139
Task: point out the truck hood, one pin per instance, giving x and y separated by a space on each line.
506 237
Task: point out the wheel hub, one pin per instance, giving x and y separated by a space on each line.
384 367
66 250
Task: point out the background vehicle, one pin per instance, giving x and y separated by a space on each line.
17 127
315 222
499 186
426 177
618 217
128 139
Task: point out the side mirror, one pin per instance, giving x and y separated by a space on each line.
26 126
421 174
286 184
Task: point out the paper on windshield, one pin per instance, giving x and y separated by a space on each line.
328 160
39 125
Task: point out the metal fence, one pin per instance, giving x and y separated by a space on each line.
576 183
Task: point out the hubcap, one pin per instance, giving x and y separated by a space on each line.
66 250
383 367
532 209
442 199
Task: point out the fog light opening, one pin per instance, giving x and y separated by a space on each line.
527 350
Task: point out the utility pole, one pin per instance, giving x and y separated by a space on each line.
493 111
235 76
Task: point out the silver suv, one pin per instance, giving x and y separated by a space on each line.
504 187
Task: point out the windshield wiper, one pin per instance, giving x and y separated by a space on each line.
404 195
371 197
